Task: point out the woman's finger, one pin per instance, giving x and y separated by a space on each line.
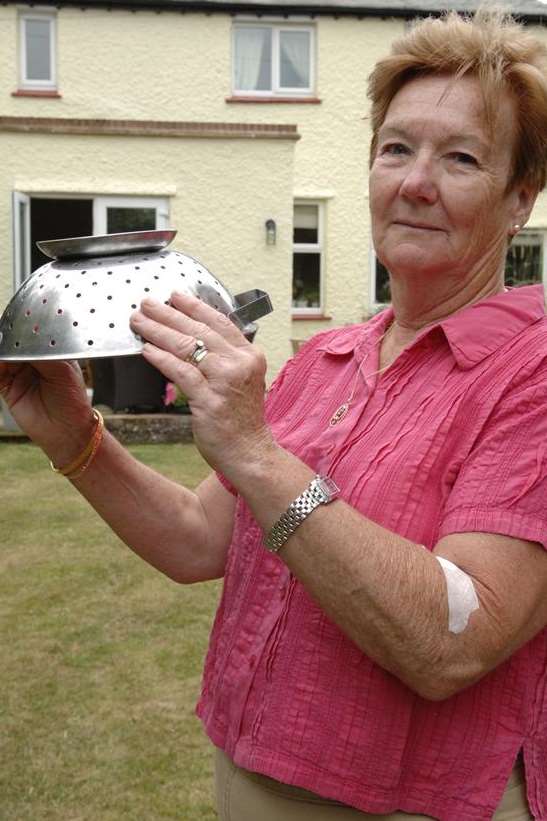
193 317
187 376
179 343
200 311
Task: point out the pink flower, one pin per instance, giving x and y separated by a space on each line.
170 395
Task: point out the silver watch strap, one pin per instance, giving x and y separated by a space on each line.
320 491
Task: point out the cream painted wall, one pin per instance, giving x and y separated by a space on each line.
168 66
173 66
218 206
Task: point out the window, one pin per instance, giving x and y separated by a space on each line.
273 60
37 51
42 216
307 258
525 260
381 291
115 215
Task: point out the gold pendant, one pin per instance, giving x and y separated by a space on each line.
339 414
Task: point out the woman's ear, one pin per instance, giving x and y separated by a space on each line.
524 197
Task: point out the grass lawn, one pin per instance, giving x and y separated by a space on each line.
101 659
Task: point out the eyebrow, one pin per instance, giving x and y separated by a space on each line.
462 139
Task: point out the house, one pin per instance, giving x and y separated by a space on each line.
242 124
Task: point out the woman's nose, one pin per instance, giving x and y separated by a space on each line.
419 182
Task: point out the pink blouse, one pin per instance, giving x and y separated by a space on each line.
451 438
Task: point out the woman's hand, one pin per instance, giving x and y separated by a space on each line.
48 401
225 390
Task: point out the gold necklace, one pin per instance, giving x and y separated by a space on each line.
342 410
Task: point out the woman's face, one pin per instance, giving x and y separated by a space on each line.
438 196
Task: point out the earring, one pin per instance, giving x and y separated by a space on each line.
515 229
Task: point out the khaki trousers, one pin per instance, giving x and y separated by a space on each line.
246 796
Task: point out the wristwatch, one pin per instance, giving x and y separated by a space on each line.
320 491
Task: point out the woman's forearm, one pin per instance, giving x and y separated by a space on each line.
387 594
182 533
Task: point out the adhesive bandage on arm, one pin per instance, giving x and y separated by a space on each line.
462 598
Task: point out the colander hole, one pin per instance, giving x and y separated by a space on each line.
52 343
57 276
109 273
137 267
36 329
92 310
166 302
17 344
147 290
90 342
78 296
27 312
67 285
156 276
44 301
128 281
41 286
84 272
111 325
93 283
162 266
59 311
133 305
75 324
182 274
109 296
180 262
200 282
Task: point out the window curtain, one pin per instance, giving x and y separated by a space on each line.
295 59
252 59
38 49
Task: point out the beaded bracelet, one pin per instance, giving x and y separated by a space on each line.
83 461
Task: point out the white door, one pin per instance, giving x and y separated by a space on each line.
21 237
116 215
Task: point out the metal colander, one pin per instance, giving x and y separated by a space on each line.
78 306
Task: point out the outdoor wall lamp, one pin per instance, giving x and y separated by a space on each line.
271 232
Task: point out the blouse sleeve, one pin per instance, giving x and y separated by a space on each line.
502 485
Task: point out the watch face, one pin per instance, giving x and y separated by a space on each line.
328 487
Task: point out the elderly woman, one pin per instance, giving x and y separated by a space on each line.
381 520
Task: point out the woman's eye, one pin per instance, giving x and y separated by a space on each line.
395 149
463 158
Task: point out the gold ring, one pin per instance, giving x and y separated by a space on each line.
200 352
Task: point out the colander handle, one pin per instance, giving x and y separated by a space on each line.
251 305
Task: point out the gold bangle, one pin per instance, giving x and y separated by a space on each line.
82 462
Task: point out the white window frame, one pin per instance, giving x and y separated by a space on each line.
21 221
310 248
542 232
276 90
21 237
26 82
101 204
